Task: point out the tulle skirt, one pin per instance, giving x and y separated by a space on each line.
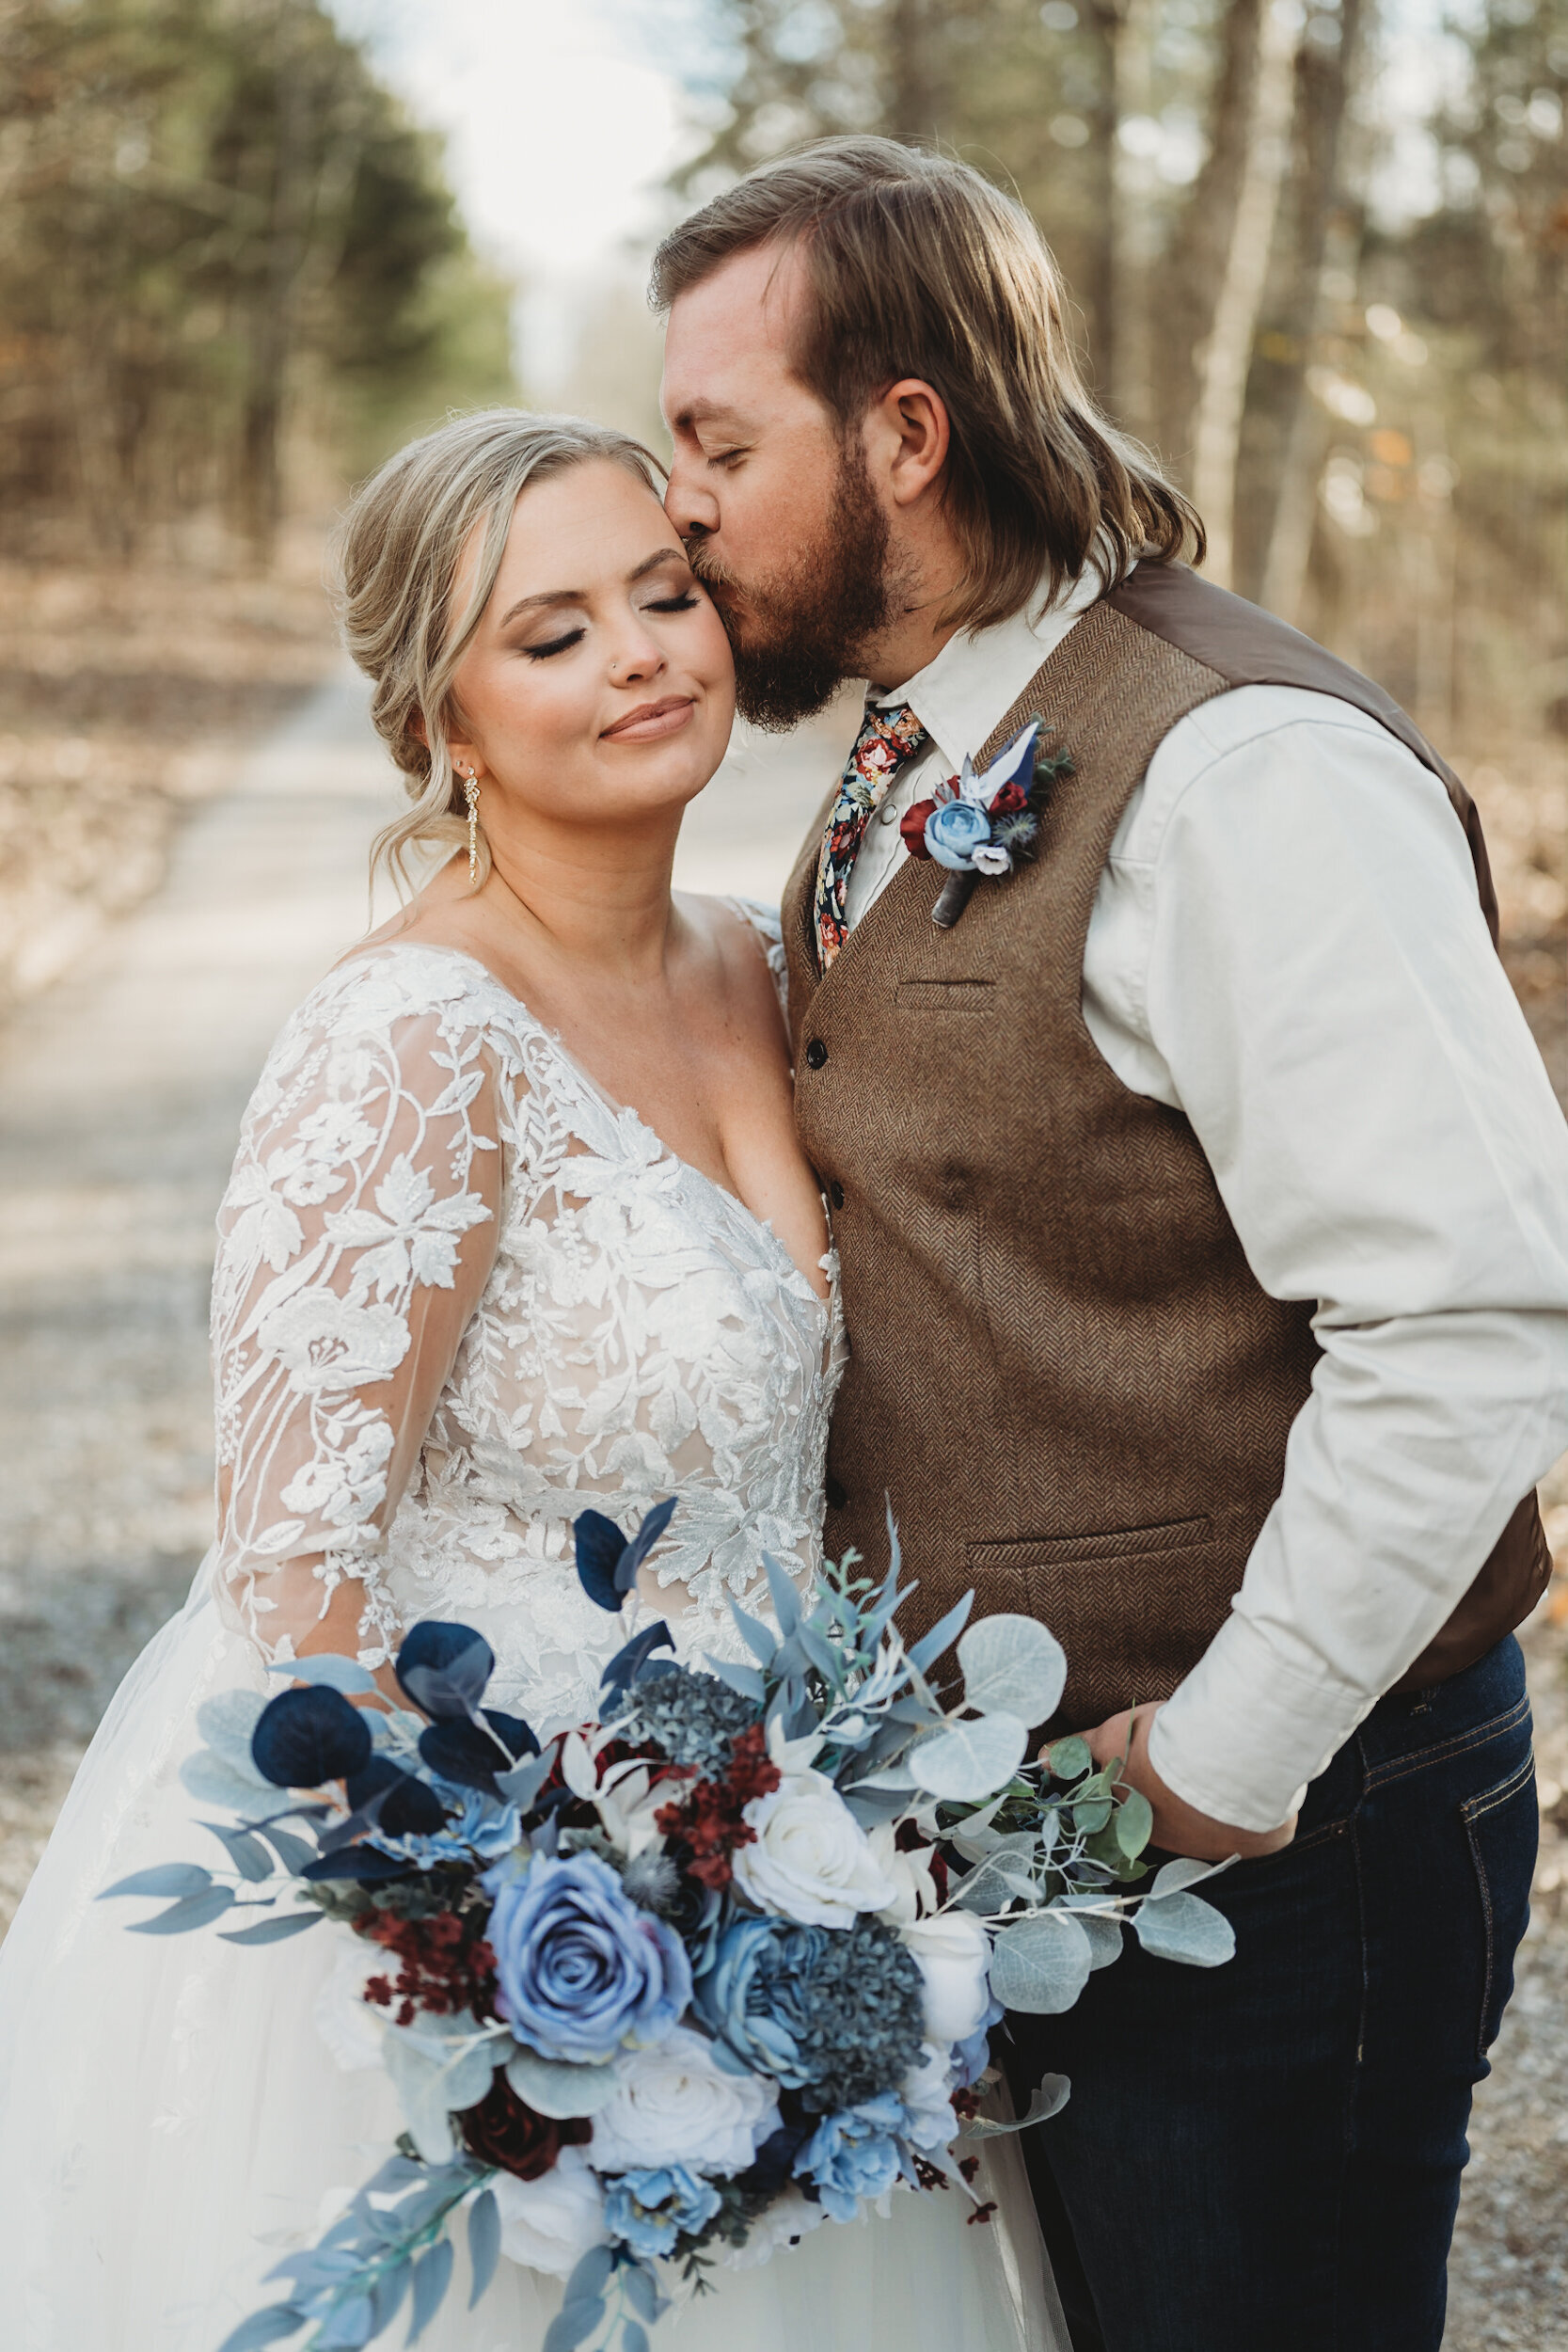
171 2122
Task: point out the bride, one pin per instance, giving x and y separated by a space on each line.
519 1221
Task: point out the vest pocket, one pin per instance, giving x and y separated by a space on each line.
946 995
1111 1543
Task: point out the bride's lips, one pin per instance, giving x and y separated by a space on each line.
649 720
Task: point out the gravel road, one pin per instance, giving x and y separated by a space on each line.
123 1088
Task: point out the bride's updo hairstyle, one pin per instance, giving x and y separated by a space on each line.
398 554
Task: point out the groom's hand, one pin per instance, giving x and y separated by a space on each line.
1178 1827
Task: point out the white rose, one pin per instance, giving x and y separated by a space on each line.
954 1953
911 1874
676 2105
352 2031
928 2105
812 1862
550 2223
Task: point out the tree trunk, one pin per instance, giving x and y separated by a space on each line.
1124 342
911 101
272 322
1226 355
1324 241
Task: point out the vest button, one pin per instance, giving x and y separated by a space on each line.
835 1493
816 1053
836 1192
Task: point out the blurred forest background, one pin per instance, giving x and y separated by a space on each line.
1329 284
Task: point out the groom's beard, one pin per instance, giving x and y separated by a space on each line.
800 633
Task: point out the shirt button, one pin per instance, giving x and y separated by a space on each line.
836 1192
816 1053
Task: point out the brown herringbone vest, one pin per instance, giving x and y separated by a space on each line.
1064 1377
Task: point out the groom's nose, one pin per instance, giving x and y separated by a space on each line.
692 507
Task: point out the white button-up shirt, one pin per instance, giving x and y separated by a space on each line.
1286 946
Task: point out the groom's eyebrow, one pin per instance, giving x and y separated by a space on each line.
579 596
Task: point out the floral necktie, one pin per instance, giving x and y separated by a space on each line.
887 739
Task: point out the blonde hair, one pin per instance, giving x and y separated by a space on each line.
918 266
398 551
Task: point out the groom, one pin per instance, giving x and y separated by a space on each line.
1203 1211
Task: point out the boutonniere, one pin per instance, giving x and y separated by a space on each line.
986 824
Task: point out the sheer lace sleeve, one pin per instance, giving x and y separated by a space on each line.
354 1242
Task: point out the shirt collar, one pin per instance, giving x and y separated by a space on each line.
959 696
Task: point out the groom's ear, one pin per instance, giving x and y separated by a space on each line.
907 434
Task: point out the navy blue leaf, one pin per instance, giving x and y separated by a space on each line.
627 1663
306 1738
165 1878
194 1911
484 2242
273 1930
267 2327
432 2276
600 1548
643 1543
444 1668
364 1863
461 1751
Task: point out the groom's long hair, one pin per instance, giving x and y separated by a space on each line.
918 266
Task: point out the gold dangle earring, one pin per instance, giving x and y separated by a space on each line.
470 793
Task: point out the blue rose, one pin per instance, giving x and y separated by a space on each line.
751 1994
854 2156
954 832
647 2211
584 1973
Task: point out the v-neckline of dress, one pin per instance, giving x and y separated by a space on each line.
607 1101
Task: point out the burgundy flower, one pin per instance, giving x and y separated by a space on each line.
912 825
504 2131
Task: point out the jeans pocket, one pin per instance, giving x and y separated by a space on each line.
1503 1827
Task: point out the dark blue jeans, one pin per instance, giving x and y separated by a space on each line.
1265 2157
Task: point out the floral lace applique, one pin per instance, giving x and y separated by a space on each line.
461 1295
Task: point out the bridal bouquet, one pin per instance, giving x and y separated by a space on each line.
681 1984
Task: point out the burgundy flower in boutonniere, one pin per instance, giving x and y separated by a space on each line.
984 824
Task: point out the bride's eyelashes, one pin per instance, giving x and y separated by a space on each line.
684 603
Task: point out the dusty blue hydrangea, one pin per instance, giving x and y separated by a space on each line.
691 1717
836 2014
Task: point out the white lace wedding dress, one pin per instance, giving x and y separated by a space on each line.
460 1294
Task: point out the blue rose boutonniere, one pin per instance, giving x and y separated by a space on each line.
984 824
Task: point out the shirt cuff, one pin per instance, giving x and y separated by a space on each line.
1244 1734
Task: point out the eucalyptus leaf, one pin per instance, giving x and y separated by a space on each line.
522 1785
484 2242
1048 2098
572 2324
555 2088
782 1592
193 1911
1186 1870
745 1679
212 1779
246 1852
265 2326
925 1653
349 2326
1070 1759
294 1852
1184 1927
228 1723
1040 1965
432 2278
1012 1667
1104 1935
990 1888
431 2082
328 1671
634 2337
165 1878
759 1638
274 1930
1135 1823
642 2291
969 1760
